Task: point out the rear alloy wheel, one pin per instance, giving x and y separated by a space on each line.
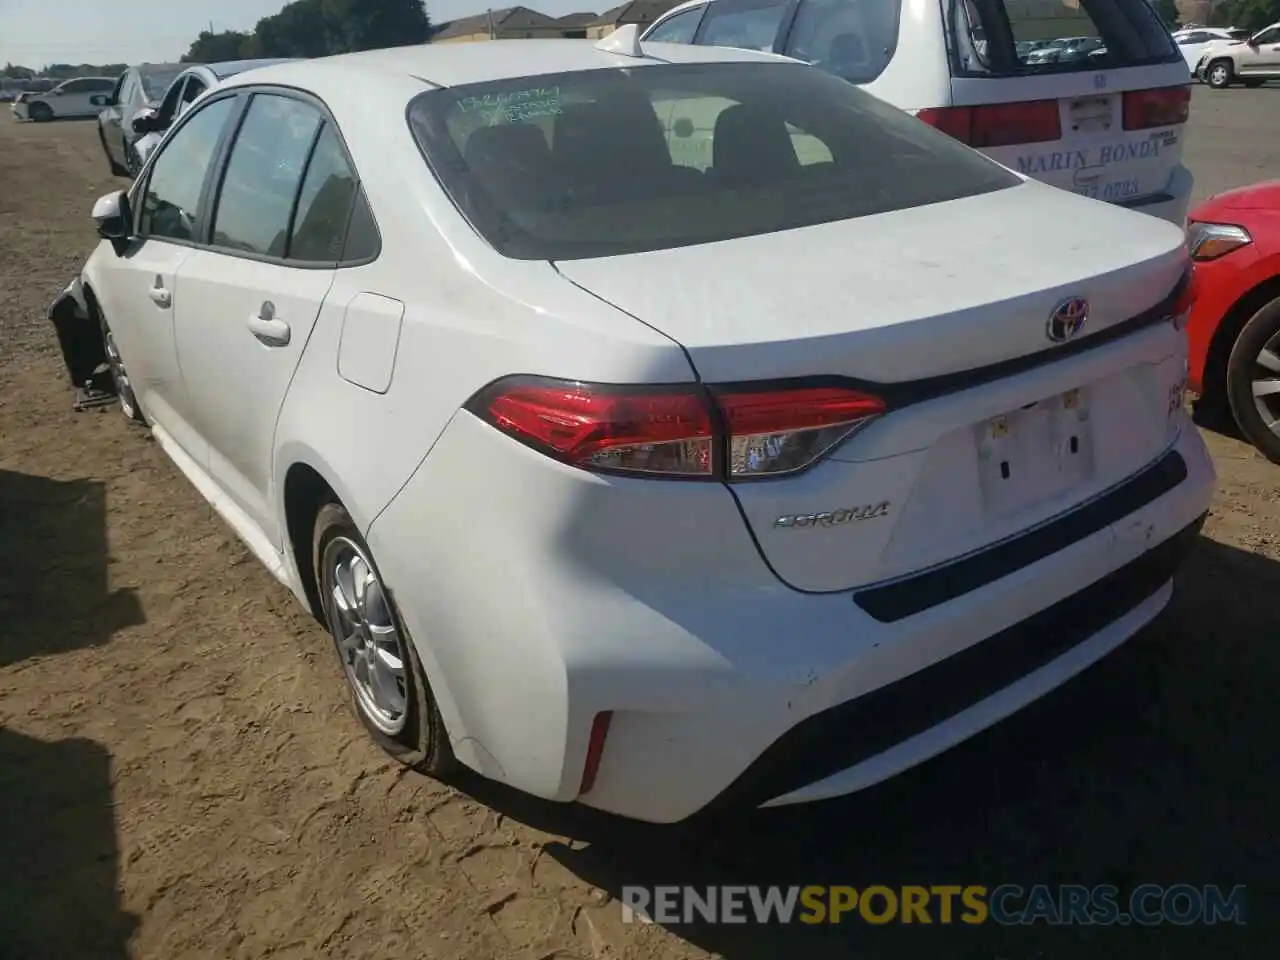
1219 74
388 686
40 112
120 377
1253 380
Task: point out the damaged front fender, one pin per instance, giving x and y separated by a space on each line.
80 340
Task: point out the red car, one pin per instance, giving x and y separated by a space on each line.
1234 328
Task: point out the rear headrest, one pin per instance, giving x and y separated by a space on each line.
847 48
609 138
752 144
508 144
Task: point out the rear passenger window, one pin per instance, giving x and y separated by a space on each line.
745 24
263 175
324 206
854 41
677 29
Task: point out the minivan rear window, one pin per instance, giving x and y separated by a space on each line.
1021 37
604 162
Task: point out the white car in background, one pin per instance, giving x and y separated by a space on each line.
1251 61
72 99
1103 118
150 125
1193 42
648 478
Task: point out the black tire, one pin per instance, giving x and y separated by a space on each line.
1219 74
40 112
116 169
422 742
1253 84
1262 331
120 375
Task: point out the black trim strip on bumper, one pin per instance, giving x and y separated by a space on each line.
1149 200
843 736
914 594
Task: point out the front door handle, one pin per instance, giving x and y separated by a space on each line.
269 328
160 295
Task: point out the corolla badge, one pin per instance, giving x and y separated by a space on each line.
1068 319
832 518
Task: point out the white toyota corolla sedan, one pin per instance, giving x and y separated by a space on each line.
658 428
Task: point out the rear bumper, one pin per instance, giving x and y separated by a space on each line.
726 688
1172 203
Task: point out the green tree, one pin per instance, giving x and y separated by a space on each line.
372 24
317 28
1248 14
219 47
13 71
300 29
1168 11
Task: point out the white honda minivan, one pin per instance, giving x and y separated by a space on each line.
1100 119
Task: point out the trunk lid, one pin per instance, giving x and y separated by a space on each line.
900 296
933 292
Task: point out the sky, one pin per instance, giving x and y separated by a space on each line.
35 33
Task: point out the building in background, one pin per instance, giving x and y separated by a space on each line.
512 23
640 12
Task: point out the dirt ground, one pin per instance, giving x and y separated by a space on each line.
181 776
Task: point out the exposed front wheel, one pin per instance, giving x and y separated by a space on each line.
1219 74
120 377
40 112
1253 380
385 678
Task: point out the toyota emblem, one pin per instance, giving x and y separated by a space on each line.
1067 320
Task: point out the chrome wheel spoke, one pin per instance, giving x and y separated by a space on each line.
386 685
1269 357
1266 388
367 637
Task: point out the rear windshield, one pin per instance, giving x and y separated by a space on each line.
1019 37
156 82
604 162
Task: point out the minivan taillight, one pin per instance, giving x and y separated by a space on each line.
998 124
676 432
1161 107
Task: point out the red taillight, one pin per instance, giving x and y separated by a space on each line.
998 124
679 431
639 431
1162 107
772 432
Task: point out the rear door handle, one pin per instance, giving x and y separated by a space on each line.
160 295
269 328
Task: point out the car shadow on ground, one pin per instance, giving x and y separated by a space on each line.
54 593
59 858
1155 766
